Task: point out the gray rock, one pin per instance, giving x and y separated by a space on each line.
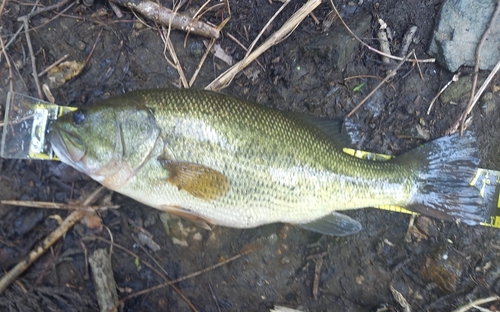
459 28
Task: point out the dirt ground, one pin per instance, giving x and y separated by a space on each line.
447 267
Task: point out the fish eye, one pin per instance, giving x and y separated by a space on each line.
78 118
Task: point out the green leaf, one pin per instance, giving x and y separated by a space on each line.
358 87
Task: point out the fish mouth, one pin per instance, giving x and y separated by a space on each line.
68 146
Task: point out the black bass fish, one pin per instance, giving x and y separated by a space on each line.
212 157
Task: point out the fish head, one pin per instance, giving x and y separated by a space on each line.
108 141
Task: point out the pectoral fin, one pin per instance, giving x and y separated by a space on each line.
336 224
197 180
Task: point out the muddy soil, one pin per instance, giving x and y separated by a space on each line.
441 267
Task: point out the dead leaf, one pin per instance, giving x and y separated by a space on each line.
63 72
219 53
92 221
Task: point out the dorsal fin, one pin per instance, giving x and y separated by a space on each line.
331 128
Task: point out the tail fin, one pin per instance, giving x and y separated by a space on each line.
443 171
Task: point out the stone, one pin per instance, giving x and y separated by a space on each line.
460 25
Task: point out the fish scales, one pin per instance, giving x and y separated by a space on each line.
279 168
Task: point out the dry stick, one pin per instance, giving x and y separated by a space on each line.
431 60
24 19
476 303
45 9
244 48
384 43
454 79
315 19
53 65
53 237
476 65
224 79
418 66
4 2
41 25
239 66
196 17
389 76
485 84
51 205
164 17
252 45
210 268
93 49
212 41
407 39
116 10
200 64
317 271
120 247
175 61
11 75
214 297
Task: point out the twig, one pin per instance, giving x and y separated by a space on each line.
14 36
45 9
51 205
53 65
165 36
116 10
244 48
431 60
92 51
210 268
476 303
389 76
214 297
254 42
164 17
318 258
4 2
53 237
120 247
418 66
454 79
479 92
11 75
200 64
250 48
24 19
407 238
384 41
315 19
317 271
479 46
104 281
224 79
407 39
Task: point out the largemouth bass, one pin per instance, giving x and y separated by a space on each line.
222 160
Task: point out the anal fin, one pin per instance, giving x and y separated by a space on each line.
335 224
